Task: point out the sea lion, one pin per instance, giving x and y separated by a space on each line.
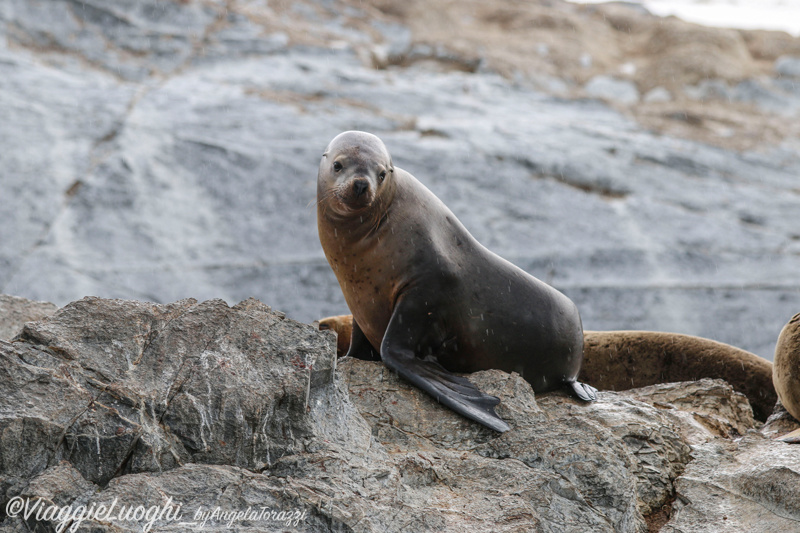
426 297
342 325
786 371
622 360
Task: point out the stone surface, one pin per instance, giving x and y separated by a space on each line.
788 66
192 407
166 150
748 485
657 94
116 387
706 408
15 311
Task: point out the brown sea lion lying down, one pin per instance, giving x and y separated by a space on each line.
620 360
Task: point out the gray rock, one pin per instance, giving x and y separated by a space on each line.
241 418
767 96
779 423
656 95
709 90
775 96
638 449
788 66
748 485
15 311
612 89
149 387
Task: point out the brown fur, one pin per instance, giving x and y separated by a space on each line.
343 326
620 360
786 371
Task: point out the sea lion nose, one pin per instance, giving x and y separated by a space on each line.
360 186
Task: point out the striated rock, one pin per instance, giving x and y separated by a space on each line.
15 311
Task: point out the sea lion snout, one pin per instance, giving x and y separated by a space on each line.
360 186
357 193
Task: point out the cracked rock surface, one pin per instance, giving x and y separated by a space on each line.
197 405
168 149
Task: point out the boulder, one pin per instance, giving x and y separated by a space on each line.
612 89
751 484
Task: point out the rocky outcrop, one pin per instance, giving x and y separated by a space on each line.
194 406
167 149
747 485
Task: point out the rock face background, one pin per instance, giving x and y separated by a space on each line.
165 150
199 405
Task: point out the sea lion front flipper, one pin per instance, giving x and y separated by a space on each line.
582 391
456 392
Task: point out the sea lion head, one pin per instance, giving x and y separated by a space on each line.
354 174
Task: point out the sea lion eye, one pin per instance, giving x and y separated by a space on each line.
337 166
382 175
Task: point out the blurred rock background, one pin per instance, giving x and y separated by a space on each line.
647 167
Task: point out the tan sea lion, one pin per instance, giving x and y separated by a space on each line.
621 360
426 297
342 325
786 371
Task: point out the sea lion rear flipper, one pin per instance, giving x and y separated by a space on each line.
585 392
456 392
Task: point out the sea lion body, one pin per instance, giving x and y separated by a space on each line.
426 296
